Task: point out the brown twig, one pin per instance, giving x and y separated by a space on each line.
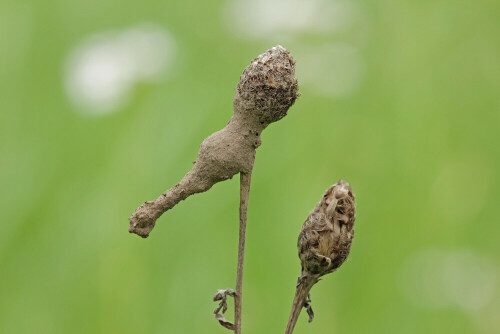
301 300
267 88
245 179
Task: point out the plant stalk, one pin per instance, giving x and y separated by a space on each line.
303 288
245 179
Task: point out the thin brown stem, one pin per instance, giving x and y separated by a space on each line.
299 301
245 179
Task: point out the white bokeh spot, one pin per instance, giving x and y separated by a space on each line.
275 18
328 68
101 71
449 279
332 70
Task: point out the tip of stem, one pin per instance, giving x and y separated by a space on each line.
140 221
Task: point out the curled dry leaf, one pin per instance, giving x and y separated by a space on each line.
222 296
224 323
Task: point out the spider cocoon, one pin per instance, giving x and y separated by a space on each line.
268 87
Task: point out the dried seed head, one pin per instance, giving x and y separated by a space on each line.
324 243
326 236
268 86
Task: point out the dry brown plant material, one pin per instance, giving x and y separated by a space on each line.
222 296
266 90
324 244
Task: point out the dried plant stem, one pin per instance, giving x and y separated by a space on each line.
266 90
299 301
245 179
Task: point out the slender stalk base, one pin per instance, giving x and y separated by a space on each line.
245 179
299 301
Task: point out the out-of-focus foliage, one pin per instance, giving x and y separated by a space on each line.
103 105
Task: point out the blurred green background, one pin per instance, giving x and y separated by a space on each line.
103 105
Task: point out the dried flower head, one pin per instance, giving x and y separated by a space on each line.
326 236
268 86
324 243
